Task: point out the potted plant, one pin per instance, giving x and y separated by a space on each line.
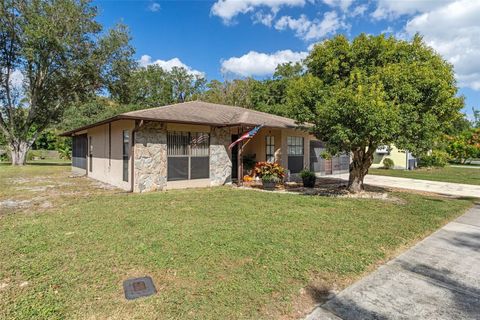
269 181
271 173
308 178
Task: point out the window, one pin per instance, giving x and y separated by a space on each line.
295 154
188 155
126 141
270 148
295 146
90 154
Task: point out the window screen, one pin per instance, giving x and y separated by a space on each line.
295 146
188 155
270 148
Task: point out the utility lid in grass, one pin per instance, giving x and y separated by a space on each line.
138 287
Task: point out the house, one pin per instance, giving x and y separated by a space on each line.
402 159
186 145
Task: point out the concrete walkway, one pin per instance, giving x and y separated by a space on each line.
465 167
447 188
439 278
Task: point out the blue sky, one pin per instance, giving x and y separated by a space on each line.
233 38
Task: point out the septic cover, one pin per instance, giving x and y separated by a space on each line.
138 287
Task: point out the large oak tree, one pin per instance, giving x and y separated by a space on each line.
375 91
52 54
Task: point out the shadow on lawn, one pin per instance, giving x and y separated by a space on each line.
49 164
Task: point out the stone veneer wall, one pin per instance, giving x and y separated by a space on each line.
220 157
150 157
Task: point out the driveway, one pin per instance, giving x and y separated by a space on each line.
439 278
447 188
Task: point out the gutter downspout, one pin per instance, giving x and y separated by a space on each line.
138 125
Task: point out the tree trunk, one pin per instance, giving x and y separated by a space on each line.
361 162
19 151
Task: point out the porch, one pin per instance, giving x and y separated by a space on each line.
293 149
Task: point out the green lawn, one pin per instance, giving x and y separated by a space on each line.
219 253
447 174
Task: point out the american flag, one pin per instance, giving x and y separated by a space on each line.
246 136
198 140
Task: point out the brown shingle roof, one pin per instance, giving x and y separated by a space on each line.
199 112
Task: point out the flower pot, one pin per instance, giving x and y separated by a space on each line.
309 182
269 185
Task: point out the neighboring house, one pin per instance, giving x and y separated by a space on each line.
402 159
186 145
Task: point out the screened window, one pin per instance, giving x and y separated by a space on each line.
295 154
126 141
295 146
188 155
270 148
90 154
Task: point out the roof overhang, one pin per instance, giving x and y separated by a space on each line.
126 117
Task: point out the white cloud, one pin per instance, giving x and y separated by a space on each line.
167 65
229 9
342 4
391 9
264 18
312 29
154 7
453 31
359 10
260 64
16 79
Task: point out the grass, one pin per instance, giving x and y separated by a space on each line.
217 253
447 174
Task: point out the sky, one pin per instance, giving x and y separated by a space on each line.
229 39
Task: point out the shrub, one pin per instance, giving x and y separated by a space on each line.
436 159
268 168
40 154
270 178
388 163
65 152
5 157
306 174
326 155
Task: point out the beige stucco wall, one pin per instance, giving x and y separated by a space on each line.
399 158
105 168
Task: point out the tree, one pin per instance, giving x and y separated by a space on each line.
465 145
375 91
476 118
51 55
267 95
149 86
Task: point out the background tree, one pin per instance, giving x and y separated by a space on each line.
464 146
375 91
264 95
51 56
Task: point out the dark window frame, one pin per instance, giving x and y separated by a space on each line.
295 153
181 145
270 148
